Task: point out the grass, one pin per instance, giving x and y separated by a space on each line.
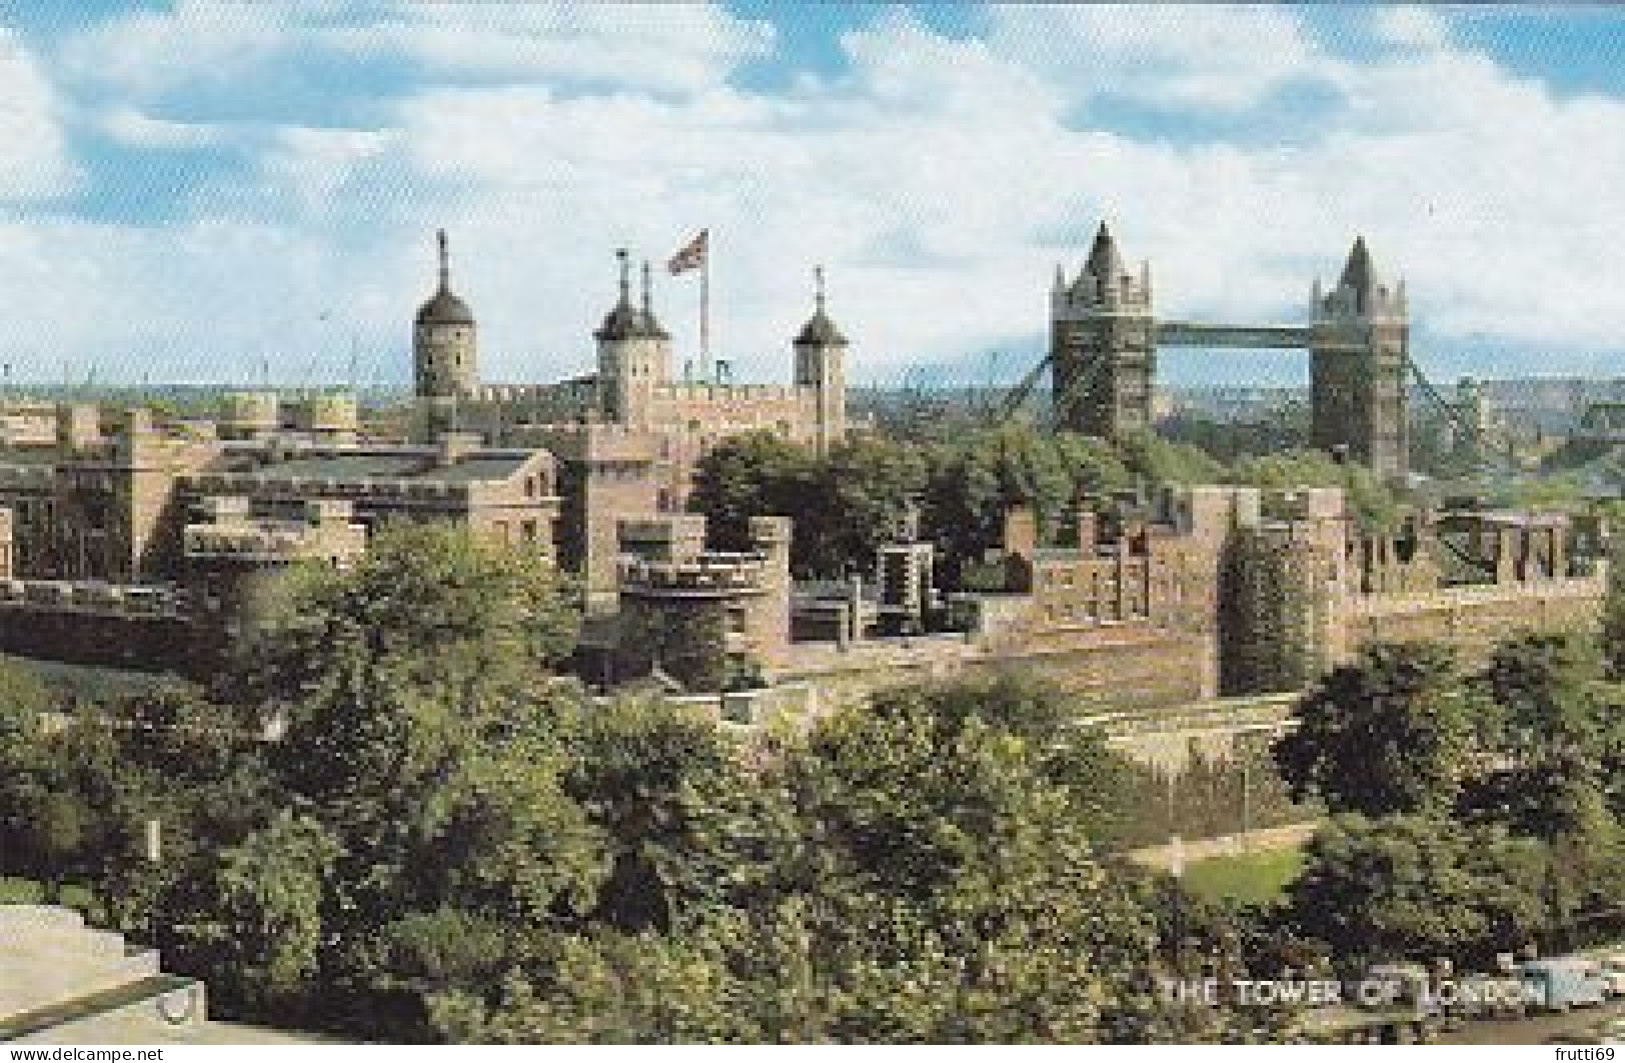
27 891
1253 878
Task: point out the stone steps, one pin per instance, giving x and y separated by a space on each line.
47 955
155 1001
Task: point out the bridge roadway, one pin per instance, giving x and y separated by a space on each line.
1250 337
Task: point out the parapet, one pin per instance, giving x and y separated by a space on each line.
587 440
667 537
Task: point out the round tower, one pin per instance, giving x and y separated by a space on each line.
443 347
821 369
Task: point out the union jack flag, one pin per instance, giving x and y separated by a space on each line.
692 255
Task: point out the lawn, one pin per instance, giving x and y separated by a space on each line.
1253 878
27 891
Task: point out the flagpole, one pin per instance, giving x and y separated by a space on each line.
705 312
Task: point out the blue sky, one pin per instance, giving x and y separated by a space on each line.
194 189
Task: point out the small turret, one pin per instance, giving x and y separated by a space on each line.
634 353
444 348
819 329
820 350
622 320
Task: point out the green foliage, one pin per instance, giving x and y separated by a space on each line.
691 646
756 474
258 916
974 481
686 827
1157 461
1371 501
1548 709
428 598
1388 734
1418 886
916 872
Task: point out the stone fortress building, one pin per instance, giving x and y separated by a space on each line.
127 539
629 434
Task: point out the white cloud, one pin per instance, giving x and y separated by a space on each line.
1193 56
35 163
1412 27
197 43
207 45
136 129
938 178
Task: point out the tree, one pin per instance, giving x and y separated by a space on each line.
425 738
756 474
1155 461
954 891
1418 886
255 923
1543 688
973 482
1389 734
687 827
863 494
690 647
387 671
1371 502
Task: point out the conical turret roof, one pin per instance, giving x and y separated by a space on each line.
623 320
1104 260
444 308
820 330
1359 274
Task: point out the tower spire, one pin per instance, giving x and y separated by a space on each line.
648 314
626 275
818 287
445 261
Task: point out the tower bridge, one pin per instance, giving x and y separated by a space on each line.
1104 339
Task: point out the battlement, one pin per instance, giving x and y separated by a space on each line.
587 440
694 391
507 394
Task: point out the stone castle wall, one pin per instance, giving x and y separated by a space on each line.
1474 619
1117 667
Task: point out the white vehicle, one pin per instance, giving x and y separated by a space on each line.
1613 973
1566 982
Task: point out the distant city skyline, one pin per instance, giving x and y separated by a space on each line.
204 191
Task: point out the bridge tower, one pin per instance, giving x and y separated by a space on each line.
1102 345
1359 340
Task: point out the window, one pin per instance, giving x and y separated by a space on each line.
528 531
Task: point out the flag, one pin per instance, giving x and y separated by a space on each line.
692 255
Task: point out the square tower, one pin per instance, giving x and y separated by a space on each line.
1102 345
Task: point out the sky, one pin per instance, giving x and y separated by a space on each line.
224 190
